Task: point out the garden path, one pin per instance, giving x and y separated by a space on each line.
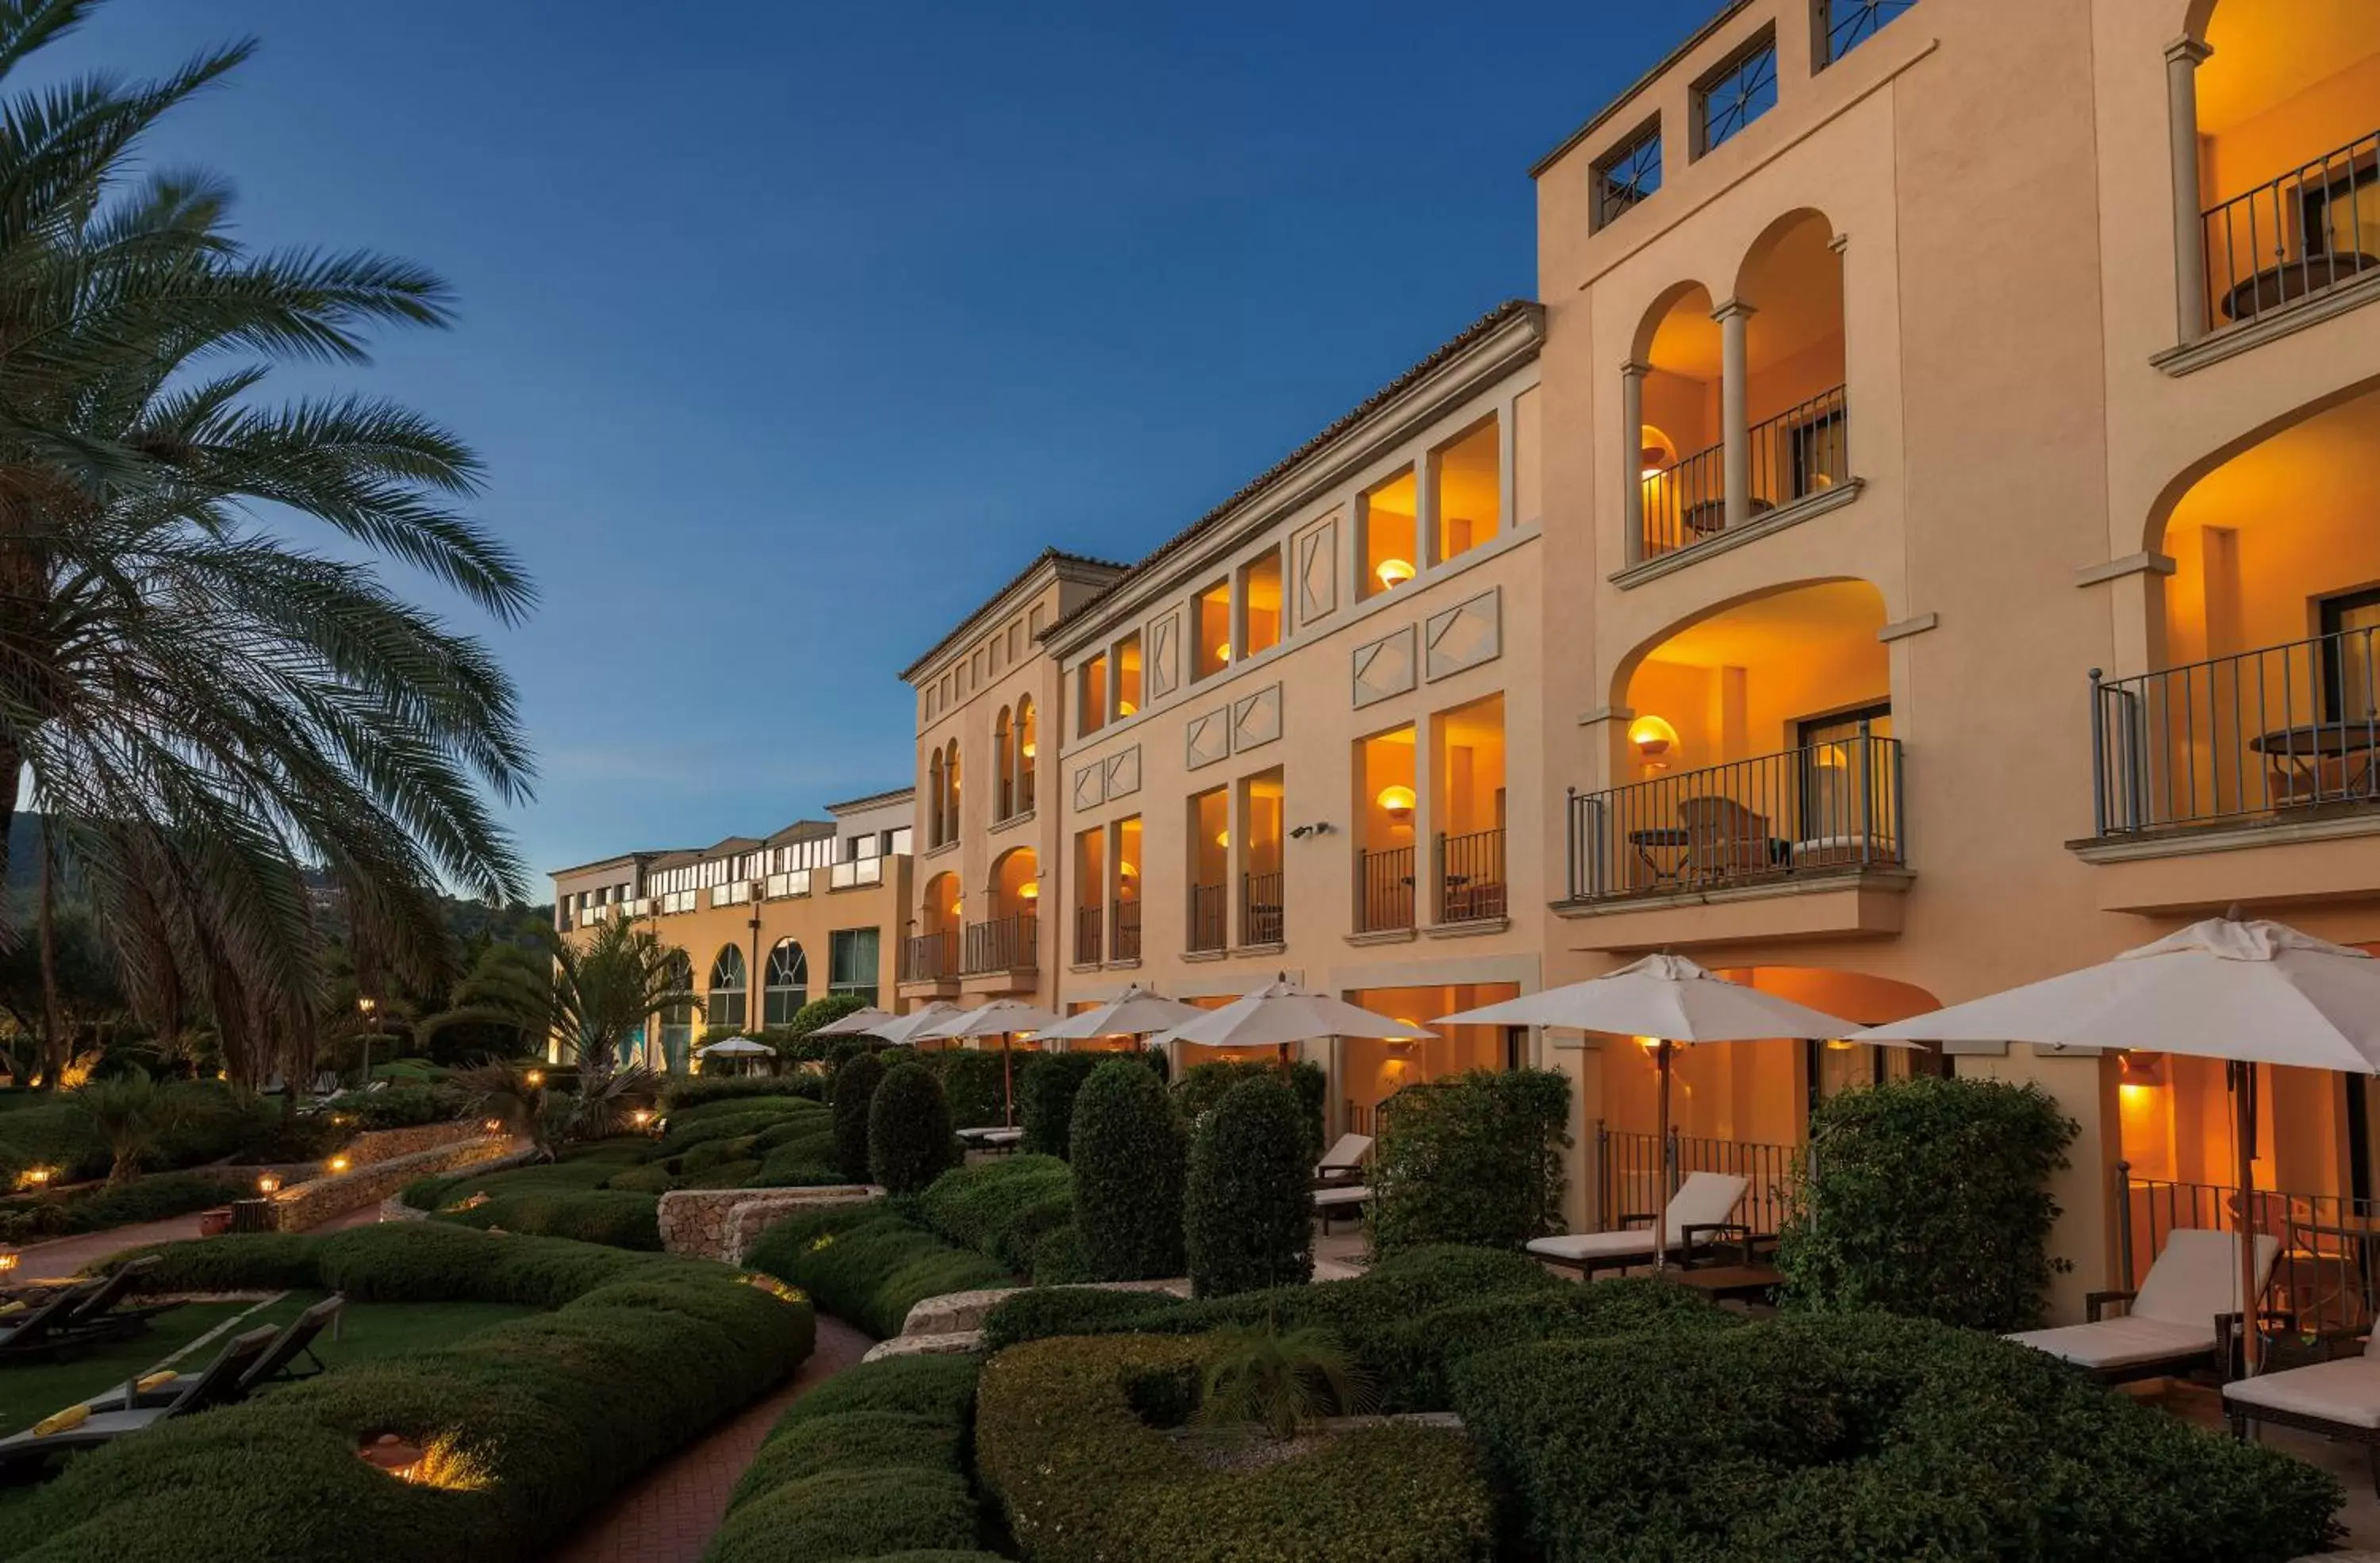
61 1258
670 1515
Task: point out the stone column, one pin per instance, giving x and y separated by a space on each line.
1734 423
1631 488
2181 59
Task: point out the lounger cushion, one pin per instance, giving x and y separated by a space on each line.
1705 1199
2123 1342
1334 1198
2197 1276
1575 1247
2347 1392
1348 1152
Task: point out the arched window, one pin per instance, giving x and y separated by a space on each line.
951 790
678 1020
935 835
728 984
787 983
1024 747
1005 765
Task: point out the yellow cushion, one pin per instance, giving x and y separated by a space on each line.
155 1381
8 1308
73 1416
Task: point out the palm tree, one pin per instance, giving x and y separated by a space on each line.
203 706
131 1114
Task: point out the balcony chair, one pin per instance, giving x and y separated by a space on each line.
2181 1319
1703 1208
1726 840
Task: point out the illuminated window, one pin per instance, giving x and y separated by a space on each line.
1127 675
1211 651
1466 489
1384 520
1628 173
1741 90
1260 600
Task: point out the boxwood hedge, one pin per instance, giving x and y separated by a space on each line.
869 1266
1013 1210
529 1424
618 1217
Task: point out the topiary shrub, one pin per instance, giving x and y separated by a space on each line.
909 1140
855 1089
1930 1197
1046 1085
1008 1209
1128 1169
1248 1217
616 1218
1866 1438
1202 1086
972 1082
868 1266
1476 1159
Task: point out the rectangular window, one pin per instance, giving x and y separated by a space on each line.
1384 521
1466 489
1126 914
1260 602
1211 614
1628 173
1209 866
1127 675
1092 696
2349 655
1844 24
1090 881
1740 91
852 962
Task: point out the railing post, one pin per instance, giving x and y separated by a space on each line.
1602 1177
2098 759
2123 1226
1866 824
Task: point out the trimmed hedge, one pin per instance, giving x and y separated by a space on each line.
400 1106
1046 1084
535 1422
1061 1441
867 1466
1202 1086
212 1125
855 1089
868 1266
971 1080
581 1169
1128 1155
1249 1218
157 1196
1476 1159
1018 1210
616 1217
909 1139
701 1091
1866 1438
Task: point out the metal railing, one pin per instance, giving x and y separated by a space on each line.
1128 930
2256 737
1089 929
1471 877
1003 944
1260 909
1628 1174
1384 889
928 957
1800 452
1826 808
2328 1277
1025 790
1685 501
2289 238
1208 909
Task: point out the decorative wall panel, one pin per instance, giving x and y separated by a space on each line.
1316 553
1091 785
1163 673
1384 667
1123 773
1464 636
1210 738
1256 718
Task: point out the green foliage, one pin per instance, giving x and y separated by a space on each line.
130 1113
1008 1210
1046 1084
909 1139
1248 1219
1128 1169
205 1122
972 1081
868 1466
546 1416
1202 1086
1930 1197
1061 1441
1476 1159
855 1090
157 1197
1279 1380
1867 1439
400 1106
868 1266
617 1217
825 1010
679 1095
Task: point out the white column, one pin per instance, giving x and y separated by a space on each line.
1842 244
1734 424
1426 551
2181 59
1632 428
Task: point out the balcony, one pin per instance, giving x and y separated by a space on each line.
1261 919
1384 891
1797 454
1089 930
1128 930
854 873
783 887
2286 243
929 958
1207 916
1003 945
1470 878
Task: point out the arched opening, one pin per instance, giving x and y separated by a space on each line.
936 822
1005 765
940 911
1792 281
1760 748
2288 152
951 790
678 1020
1026 747
1016 882
2267 700
1367 1071
725 1008
786 984
1680 469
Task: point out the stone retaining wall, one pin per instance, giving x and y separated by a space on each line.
311 1204
375 1146
394 1207
722 1223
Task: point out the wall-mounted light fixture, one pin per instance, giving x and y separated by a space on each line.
1397 803
1394 573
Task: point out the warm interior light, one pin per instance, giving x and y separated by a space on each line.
1030 891
1394 572
2142 1071
1127 871
1222 838
1839 1045
1125 708
1650 1044
1223 652
1652 736
1028 748
1398 802
268 1184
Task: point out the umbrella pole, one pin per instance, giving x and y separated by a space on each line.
1007 1085
2243 1129
1661 1110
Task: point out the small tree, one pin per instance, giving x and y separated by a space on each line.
1929 1197
1248 1219
131 1114
1046 1084
1127 1151
909 1141
1203 1084
855 1092
1476 1160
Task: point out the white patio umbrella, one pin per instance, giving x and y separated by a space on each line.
1133 1012
2246 992
902 1030
1670 999
1281 1013
1002 1018
734 1047
859 1022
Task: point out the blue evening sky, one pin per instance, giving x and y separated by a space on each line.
789 330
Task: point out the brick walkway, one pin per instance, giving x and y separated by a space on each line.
671 1514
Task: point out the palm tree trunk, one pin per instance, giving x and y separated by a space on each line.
52 1045
11 763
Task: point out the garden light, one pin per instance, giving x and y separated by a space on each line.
7 1259
642 1117
268 1184
536 1077
338 1163
35 1177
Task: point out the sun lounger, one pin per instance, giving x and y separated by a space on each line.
2340 1399
2176 1321
1343 1161
97 1316
278 1361
1340 1201
1702 1209
40 1330
211 1386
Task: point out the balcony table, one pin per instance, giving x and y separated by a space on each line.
2292 280
1662 838
2306 748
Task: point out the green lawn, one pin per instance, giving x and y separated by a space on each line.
367 1330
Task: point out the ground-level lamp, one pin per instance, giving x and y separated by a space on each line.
8 1258
36 1176
369 1008
268 1184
